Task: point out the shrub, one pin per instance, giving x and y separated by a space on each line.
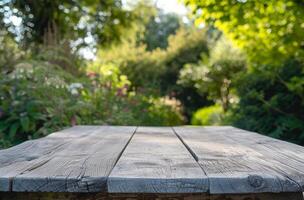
271 101
9 52
34 100
37 98
216 75
164 112
115 102
158 70
212 115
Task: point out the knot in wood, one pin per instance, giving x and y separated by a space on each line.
256 181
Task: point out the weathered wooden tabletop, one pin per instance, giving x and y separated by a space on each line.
154 160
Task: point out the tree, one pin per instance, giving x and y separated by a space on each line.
159 66
265 29
215 75
10 54
269 102
70 19
159 28
157 70
271 33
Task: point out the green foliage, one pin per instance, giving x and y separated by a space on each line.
212 115
151 67
216 74
264 29
164 111
37 98
272 101
9 52
24 103
186 46
45 88
113 97
104 20
137 63
271 91
157 71
159 28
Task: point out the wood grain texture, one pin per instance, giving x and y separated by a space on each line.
234 166
155 161
283 157
15 160
77 161
187 196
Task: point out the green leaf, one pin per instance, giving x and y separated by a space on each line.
39 116
13 130
3 126
25 123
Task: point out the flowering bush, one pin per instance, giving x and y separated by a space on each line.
31 100
114 102
37 98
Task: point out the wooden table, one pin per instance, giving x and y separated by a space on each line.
120 162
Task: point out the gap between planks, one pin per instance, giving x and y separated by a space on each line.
199 148
121 153
156 161
37 165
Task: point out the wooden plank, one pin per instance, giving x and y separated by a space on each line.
17 159
80 165
187 196
156 161
284 157
232 166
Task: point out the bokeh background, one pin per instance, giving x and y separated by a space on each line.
154 63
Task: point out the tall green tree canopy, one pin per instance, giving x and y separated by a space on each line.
271 33
215 74
73 19
159 28
266 29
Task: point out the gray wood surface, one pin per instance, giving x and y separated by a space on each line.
15 160
283 157
75 160
237 161
155 161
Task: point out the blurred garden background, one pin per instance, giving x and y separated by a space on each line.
156 63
